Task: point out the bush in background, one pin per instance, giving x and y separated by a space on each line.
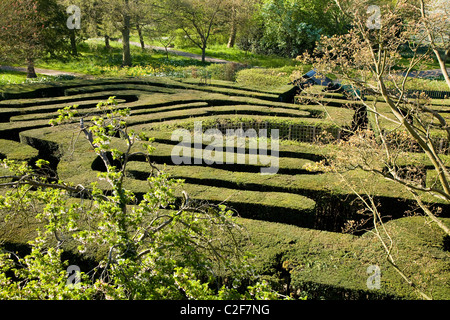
262 78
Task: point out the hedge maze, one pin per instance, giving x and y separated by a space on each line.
296 219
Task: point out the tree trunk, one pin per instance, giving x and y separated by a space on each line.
232 38
107 45
141 37
167 51
204 53
433 46
31 73
443 66
126 57
233 31
73 43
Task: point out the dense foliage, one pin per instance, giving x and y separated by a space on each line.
30 29
290 28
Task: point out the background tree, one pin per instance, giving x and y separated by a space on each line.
73 33
125 15
143 17
102 23
238 14
117 15
125 28
288 28
29 30
93 22
198 19
58 38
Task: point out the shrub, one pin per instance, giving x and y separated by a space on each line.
226 72
262 78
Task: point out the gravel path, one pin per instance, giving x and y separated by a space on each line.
427 73
46 72
181 53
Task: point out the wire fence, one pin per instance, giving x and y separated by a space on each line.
432 94
314 134
441 145
429 93
297 132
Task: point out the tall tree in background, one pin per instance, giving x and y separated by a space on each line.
238 13
117 15
95 21
28 31
293 27
125 30
98 21
161 26
124 15
143 17
72 32
151 249
290 27
233 10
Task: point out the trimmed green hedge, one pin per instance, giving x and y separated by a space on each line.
17 151
262 78
13 150
327 265
207 183
303 259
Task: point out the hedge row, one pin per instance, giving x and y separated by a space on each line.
328 265
245 185
79 167
323 264
17 151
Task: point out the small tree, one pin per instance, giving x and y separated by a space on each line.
24 32
198 19
123 15
435 22
118 15
162 28
367 59
153 249
238 14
